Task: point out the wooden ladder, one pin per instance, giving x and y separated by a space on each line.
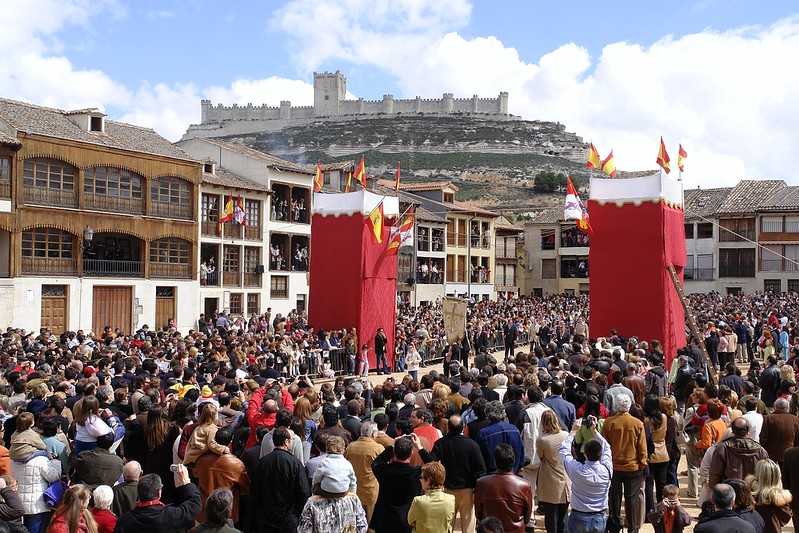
690 318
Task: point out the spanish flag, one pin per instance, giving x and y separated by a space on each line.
681 155
663 157
609 165
317 180
396 181
360 174
349 181
227 214
375 220
593 157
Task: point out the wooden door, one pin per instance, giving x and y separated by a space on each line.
164 305
54 308
113 306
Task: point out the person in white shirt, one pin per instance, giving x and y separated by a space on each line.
754 418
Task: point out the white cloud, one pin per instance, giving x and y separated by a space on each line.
728 97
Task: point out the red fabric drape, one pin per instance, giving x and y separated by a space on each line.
352 282
631 290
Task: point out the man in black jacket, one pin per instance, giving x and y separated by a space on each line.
770 383
509 337
399 484
380 352
152 515
724 520
464 463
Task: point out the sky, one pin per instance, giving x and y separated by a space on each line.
717 76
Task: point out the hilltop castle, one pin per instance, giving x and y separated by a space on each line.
330 103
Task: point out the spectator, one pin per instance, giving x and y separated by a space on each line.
503 494
103 496
225 471
218 512
33 478
780 431
554 490
499 432
737 456
73 513
434 511
565 410
11 508
772 501
150 515
361 454
744 504
668 516
97 466
126 493
724 519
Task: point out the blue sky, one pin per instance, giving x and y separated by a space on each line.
714 75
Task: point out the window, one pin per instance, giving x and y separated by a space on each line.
170 190
772 285
704 230
772 224
208 168
549 269
449 197
169 251
279 287
231 265
109 181
165 292
252 212
252 258
5 168
210 208
47 243
791 253
793 285
253 303
733 227
326 178
41 173
705 269
737 263
301 302
235 303
770 260
547 239
54 291
689 231
96 124
791 224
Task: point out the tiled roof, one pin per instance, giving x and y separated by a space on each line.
784 199
553 215
8 139
431 186
56 123
339 165
270 160
428 216
503 223
749 195
223 178
704 202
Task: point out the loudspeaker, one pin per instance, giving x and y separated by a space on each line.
410 281
259 269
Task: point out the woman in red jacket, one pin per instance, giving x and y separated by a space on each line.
72 515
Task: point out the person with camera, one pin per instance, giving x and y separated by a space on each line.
152 515
590 481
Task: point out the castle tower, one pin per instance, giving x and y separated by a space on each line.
329 91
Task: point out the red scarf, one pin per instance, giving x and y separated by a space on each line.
139 505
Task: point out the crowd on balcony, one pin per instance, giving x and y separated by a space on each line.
431 273
208 273
293 210
224 426
572 237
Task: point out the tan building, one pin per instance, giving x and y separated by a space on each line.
509 263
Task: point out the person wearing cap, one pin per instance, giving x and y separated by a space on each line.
683 377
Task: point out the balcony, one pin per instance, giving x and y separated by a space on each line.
777 265
113 204
170 271
232 230
113 268
5 189
50 266
423 245
253 233
50 197
699 274
252 279
210 229
231 279
161 209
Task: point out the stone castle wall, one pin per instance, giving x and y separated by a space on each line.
334 84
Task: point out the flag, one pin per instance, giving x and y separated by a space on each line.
681 155
349 182
375 220
593 157
402 234
360 174
396 182
227 213
609 165
663 157
574 208
317 180
238 212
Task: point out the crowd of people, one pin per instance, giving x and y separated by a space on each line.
223 428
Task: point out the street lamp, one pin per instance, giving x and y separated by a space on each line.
88 234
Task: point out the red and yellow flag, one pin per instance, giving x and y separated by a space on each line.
396 181
360 173
401 234
317 180
227 214
593 157
609 165
349 182
376 220
681 155
663 157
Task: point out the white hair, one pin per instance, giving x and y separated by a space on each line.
622 403
103 497
502 380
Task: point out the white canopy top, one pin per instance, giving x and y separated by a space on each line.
637 190
361 202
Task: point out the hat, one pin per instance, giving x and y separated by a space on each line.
206 393
183 389
88 371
